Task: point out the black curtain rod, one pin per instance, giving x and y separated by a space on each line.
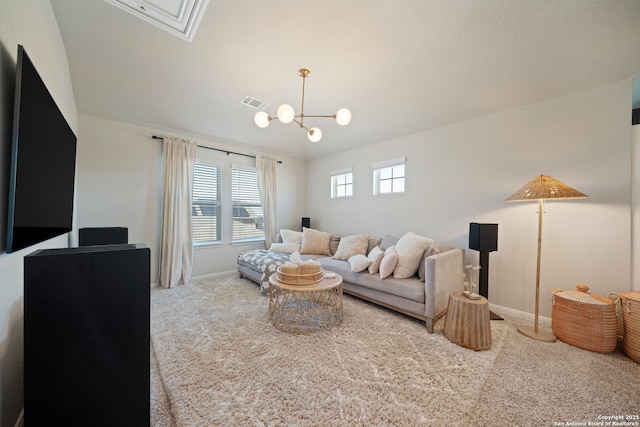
217 149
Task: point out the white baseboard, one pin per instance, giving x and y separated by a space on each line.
510 312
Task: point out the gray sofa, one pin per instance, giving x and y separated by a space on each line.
425 300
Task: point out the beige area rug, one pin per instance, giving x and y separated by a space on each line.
222 363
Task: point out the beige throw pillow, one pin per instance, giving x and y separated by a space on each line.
315 242
410 250
352 245
375 256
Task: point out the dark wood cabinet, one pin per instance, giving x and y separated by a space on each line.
86 336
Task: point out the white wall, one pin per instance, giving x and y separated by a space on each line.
463 173
32 24
120 184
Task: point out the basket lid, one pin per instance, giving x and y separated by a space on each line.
634 295
581 294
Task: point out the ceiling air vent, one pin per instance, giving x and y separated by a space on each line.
178 17
254 103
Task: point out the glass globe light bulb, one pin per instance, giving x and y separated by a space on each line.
314 134
343 116
262 119
285 113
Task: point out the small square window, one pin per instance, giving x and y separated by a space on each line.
389 179
342 185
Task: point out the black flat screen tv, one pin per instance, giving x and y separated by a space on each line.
43 163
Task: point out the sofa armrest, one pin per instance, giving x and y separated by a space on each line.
443 275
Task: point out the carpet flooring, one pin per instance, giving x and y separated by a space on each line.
217 361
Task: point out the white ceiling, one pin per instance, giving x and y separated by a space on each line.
400 66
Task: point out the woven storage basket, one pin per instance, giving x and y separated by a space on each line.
298 279
631 317
584 320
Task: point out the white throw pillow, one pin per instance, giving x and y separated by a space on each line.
352 245
289 236
285 248
359 263
410 249
375 256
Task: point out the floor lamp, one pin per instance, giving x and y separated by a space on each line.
542 188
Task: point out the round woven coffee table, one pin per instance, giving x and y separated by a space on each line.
301 309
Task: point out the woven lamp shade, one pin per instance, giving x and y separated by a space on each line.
545 187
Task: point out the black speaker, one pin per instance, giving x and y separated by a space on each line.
103 236
86 336
306 222
483 237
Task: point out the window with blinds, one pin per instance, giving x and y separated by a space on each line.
248 218
206 203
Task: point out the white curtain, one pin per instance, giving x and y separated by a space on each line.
176 247
266 171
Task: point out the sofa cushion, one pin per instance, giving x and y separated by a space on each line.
387 242
359 262
315 242
285 248
410 248
373 242
389 261
411 288
352 245
333 244
375 256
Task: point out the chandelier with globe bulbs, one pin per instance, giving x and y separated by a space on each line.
286 114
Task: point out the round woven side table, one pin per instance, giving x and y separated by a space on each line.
467 322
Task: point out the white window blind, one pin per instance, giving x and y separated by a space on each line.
206 203
248 218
